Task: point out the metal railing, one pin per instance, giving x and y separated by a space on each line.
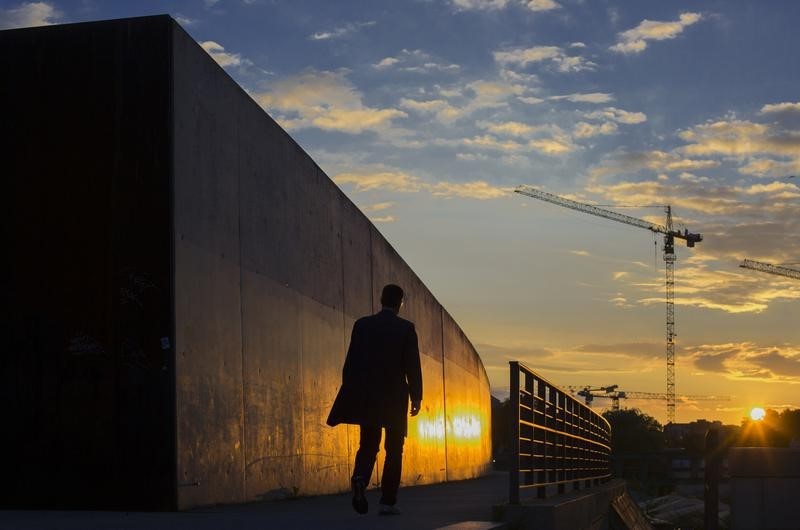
556 440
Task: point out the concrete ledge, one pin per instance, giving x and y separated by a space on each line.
584 509
475 525
764 462
764 485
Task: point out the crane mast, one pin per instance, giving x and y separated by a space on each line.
669 265
770 268
669 273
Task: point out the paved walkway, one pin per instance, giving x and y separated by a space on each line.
424 508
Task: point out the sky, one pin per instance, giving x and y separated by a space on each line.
428 113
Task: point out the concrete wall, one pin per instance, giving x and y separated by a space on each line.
764 484
181 287
273 264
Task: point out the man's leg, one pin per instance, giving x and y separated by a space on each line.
369 440
393 466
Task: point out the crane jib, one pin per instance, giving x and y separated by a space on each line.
690 238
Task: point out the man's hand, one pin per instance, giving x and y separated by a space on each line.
415 407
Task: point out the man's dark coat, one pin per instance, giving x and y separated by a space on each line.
381 371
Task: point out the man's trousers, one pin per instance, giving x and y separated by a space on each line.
369 443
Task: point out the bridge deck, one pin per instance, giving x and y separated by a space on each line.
424 508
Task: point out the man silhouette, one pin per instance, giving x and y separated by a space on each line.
381 372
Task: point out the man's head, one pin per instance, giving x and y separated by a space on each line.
392 297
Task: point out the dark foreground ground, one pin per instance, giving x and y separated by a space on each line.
424 508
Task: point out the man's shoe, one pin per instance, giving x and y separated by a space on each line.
359 499
385 509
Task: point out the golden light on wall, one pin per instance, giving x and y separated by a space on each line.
465 426
430 429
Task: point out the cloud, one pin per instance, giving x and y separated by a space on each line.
588 130
530 100
384 219
749 361
415 61
542 5
387 62
780 108
377 207
591 97
635 40
525 56
480 94
495 5
398 181
510 128
492 94
324 100
553 55
29 14
628 349
741 139
618 115
479 189
622 162
443 110
768 167
471 157
185 21
341 31
480 5
758 220
487 141
763 149
584 253
223 58
553 146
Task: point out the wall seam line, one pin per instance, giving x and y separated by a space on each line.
241 304
444 393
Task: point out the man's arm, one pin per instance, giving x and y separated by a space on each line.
353 359
413 371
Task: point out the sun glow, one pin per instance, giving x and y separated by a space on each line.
757 414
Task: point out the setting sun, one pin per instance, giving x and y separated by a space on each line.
757 414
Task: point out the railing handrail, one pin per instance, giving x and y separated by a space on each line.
525 368
569 443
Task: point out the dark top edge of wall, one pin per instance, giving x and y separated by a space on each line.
80 25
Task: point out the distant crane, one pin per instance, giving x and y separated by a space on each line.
669 265
588 394
769 268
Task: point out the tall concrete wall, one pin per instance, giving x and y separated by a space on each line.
181 287
273 264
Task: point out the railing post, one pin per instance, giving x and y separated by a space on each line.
712 476
513 472
555 439
540 462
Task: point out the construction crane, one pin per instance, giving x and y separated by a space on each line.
778 270
587 392
615 395
669 265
